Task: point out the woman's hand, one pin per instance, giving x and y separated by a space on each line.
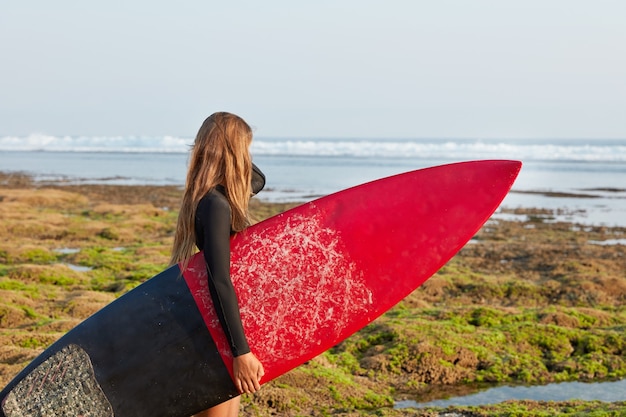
247 371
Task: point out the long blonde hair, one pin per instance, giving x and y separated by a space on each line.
220 156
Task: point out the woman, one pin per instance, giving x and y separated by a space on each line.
215 205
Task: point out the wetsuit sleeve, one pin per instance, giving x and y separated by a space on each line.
213 223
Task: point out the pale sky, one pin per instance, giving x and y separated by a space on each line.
341 68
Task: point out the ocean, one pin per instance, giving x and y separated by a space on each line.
578 180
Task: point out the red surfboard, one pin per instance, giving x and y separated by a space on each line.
310 277
306 279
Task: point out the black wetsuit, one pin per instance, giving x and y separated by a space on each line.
212 227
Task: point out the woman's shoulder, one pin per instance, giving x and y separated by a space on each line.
214 200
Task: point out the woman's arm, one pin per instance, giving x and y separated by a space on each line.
213 234
213 217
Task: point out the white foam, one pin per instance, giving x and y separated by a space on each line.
435 149
41 142
441 149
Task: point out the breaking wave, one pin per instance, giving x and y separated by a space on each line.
550 150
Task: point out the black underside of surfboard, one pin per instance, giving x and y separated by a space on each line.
146 354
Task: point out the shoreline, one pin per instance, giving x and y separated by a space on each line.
527 301
594 206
